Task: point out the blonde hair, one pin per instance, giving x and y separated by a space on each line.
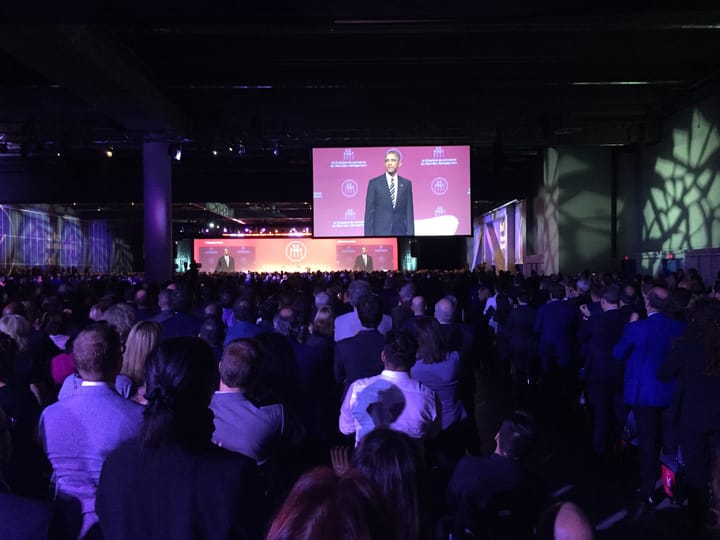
141 340
18 328
324 321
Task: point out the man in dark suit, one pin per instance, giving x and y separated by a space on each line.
389 201
644 346
358 356
604 374
363 262
225 263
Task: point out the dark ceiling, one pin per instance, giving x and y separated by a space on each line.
508 80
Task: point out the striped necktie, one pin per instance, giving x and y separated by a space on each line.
392 191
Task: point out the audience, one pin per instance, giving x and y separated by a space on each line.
271 400
324 505
174 482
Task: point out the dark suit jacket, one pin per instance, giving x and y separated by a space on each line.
358 357
644 346
222 267
555 325
381 219
361 266
600 335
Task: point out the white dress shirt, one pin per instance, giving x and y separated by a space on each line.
392 400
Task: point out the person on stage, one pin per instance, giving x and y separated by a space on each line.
225 263
363 262
389 201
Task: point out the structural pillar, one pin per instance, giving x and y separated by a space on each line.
157 187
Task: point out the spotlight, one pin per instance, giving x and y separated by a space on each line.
109 151
214 152
175 151
276 150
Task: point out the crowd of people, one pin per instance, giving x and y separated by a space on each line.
344 404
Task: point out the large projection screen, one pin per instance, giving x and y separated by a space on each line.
294 254
437 176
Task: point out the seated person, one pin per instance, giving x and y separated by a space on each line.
479 485
241 425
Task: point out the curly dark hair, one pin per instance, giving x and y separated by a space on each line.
704 326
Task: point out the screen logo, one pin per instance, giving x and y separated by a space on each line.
349 188
295 251
439 185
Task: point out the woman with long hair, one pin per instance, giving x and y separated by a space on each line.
394 462
695 364
175 483
143 338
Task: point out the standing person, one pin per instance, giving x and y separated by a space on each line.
695 363
389 201
225 263
644 346
78 432
175 483
363 262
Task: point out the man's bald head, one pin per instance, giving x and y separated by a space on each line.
444 311
418 306
571 523
657 299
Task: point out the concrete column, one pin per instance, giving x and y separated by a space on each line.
157 176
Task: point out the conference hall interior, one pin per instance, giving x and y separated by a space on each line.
382 270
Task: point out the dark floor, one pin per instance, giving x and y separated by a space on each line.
564 460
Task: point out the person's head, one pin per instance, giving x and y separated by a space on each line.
14 308
704 326
610 298
243 310
8 352
557 291
564 521
121 317
444 311
226 252
322 299
428 334
364 250
165 299
657 299
406 293
369 309
239 364
356 290
287 322
212 332
393 161
97 353
515 437
180 376
181 301
323 504
324 322
399 351
141 341
417 305
18 328
394 462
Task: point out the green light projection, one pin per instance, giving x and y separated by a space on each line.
683 208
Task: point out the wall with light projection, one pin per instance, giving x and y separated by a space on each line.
46 238
671 191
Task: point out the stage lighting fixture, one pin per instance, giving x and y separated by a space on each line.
175 151
214 152
240 149
109 151
276 150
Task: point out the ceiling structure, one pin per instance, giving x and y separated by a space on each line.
273 83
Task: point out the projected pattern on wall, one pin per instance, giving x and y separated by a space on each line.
683 210
40 239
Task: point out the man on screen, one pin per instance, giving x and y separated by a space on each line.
363 262
225 263
389 201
